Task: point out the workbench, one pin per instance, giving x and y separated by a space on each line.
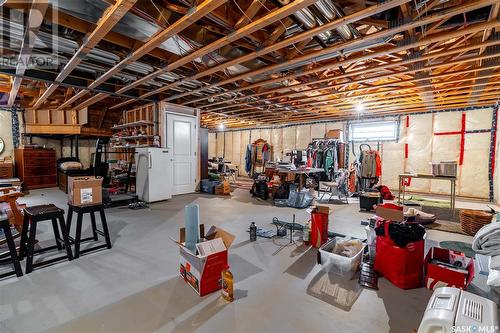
402 186
301 172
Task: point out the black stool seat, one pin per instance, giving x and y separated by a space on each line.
88 209
33 215
43 211
14 259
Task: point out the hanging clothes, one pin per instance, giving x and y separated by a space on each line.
328 160
266 152
248 159
326 154
370 164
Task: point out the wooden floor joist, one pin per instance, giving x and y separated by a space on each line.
257 63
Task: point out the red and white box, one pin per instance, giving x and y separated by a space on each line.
202 270
438 275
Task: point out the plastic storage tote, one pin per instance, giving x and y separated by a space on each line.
337 264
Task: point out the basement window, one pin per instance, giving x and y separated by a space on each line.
384 130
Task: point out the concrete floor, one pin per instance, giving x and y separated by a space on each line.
135 286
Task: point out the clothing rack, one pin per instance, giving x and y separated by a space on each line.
368 167
327 154
257 155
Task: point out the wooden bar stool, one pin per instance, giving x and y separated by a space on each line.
33 215
5 226
90 209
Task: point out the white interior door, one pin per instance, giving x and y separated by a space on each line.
182 141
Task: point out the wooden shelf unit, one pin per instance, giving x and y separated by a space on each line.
137 127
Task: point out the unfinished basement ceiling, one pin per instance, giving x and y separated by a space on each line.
245 63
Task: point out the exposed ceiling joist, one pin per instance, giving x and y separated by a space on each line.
238 34
470 5
306 35
109 19
35 20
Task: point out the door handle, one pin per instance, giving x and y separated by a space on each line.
150 161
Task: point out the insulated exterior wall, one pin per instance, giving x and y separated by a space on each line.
473 179
423 148
265 134
318 131
228 139
255 134
212 144
419 148
393 163
276 142
220 144
445 148
303 136
478 119
289 139
235 158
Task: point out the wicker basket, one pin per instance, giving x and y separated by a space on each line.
473 220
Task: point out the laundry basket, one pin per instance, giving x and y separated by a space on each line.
473 220
337 264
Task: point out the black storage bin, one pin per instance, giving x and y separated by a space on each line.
366 202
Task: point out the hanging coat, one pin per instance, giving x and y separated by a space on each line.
248 159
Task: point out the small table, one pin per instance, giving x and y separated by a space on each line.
302 173
452 180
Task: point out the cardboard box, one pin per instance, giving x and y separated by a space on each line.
390 212
223 188
203 273
85 190
335 134
323 209
439 276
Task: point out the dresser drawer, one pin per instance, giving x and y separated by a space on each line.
33 182
6 172
39 161
40 169
39 153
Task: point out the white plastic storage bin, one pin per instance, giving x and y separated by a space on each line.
337 264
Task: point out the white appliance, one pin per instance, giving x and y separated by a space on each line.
453 310
153 179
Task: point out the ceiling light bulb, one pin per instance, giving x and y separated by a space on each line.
221 126
360 107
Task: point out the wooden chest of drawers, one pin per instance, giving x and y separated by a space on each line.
6 169
36 167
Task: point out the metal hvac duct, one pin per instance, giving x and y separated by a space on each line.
328 9
306 17
330 12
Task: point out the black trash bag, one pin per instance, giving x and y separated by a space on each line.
260 189
402 233
282 192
